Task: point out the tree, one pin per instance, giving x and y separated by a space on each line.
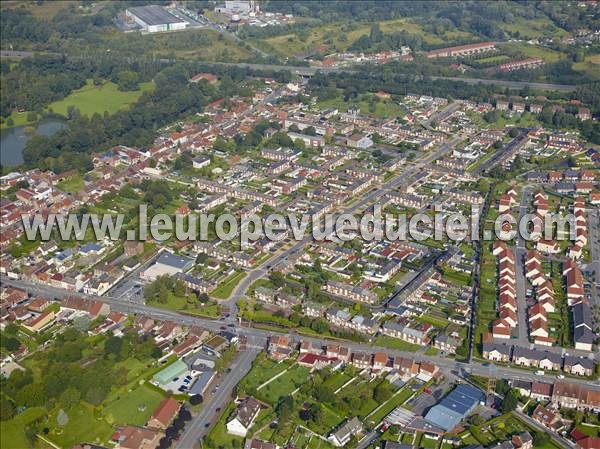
31 395
113 345
285 407
540 439
510 402
196 399
10 343
7 409
382 392
514 132
156 353
324 393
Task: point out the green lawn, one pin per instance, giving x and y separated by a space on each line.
126 409
395 343
262 370
72 185
210 309
283 385
400 398
590 66
223 291
12 432
82 426
91 99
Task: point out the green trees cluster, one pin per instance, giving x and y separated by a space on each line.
163 288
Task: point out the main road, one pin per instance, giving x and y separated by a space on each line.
259 336
310 71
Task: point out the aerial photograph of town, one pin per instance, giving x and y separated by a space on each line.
300 224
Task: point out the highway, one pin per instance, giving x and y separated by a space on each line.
310 71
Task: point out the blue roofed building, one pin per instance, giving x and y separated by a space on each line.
456 406
91 248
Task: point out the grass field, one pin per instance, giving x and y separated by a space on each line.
126 409
283 385
337 37
383 108
72 185
395 343
223 291
533 51
12 432
590 66
45 10
534 28
179 303
91 99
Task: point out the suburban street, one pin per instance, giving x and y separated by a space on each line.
521 282
260 336
201 424
404 178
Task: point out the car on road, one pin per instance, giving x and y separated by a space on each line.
540 373
218 409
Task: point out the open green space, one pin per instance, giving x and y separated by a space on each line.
283 385
73 184
223 291
92 99
395 343
134 407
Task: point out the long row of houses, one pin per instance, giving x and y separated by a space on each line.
535 358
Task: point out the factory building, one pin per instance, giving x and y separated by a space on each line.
154 18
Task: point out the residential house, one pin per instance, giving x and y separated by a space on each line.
164 414
346 431
244 417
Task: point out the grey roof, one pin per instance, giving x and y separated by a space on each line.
456 406
583 335
582 315
521 384
534 354
585 362
350 427
395 445
201 383
502 349
183 263
154 15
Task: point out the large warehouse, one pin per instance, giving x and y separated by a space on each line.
455 407
154 18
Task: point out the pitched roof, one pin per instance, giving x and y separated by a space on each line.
166 411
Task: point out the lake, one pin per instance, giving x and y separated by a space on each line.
13 140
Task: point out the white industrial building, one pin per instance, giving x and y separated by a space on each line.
154 18
243 7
